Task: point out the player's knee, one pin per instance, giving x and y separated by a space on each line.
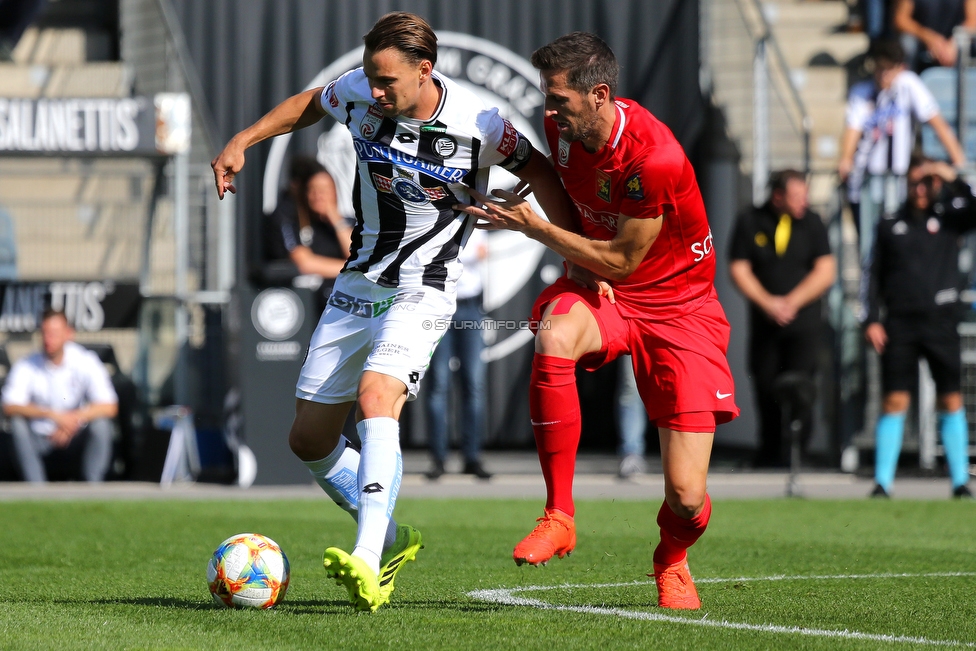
686 501
558 340
300 442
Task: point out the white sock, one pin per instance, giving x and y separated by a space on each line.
338 475
380 472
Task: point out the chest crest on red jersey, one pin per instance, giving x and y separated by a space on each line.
603 185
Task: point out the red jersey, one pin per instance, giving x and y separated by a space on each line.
642 172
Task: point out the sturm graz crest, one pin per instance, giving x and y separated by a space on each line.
444 146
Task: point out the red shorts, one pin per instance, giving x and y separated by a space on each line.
680 365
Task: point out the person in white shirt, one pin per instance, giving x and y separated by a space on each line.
882 115
60 398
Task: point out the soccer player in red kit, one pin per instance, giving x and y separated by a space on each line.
640 277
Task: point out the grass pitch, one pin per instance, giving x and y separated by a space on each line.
774 574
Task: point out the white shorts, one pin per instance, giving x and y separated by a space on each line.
366 327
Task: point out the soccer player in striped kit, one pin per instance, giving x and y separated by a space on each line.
423 143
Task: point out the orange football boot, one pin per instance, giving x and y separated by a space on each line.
554 535
675 587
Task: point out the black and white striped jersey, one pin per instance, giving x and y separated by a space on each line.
411 173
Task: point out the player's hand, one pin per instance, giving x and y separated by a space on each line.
504 210
586 278
226 166
877 336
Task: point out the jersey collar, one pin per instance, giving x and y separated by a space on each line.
618 126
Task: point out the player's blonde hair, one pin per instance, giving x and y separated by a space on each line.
586 58
407 33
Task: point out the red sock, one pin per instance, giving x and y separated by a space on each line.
678 534
555 412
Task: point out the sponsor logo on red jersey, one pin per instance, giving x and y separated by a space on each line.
509 140
602 219
703 249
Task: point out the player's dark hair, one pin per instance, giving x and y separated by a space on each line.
780 179
889 50
50 313
586 58
407 33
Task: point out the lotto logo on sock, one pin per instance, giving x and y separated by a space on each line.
375 487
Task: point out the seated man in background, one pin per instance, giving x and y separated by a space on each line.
60 399
914 278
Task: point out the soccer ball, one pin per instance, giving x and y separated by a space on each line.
248 571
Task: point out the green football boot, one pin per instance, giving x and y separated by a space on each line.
408 542
356 576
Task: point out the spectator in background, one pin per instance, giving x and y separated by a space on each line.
306 227
60 399
870 17
15 17
880 135
914 276
631 422
781 262
464 342
926 29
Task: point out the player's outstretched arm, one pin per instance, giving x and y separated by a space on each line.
548 189
612 259
296 112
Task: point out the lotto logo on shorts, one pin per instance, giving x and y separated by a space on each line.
509 140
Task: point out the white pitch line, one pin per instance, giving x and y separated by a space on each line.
506 596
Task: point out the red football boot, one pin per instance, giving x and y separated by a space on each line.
675 587
554 535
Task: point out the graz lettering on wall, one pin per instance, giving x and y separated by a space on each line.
89 306
82 126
